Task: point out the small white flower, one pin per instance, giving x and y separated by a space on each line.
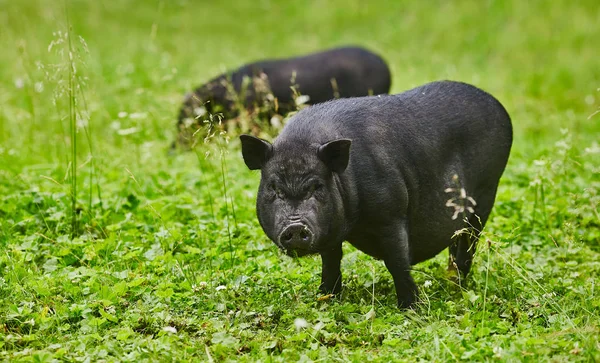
589 99
122 114
82 122
302 99
427 283
188 121
300 323
129 131
594 149
19 83
200 111
170 329
39 87
138 115
535 182
497 352
276 122
220 287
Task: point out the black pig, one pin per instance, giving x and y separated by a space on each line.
396 176
340 72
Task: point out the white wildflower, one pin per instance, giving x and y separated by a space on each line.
170 329
370 315
300 323
200 111
129 131
82 122
593 149
276 122
319 326
138 115
589 99
302 99
497 352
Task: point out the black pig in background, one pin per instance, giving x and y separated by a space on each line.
274 85
396 176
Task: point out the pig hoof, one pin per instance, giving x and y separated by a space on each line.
330 291
407 302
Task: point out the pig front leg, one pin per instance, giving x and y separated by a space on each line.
394 241
331 277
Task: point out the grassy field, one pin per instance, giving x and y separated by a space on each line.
111 249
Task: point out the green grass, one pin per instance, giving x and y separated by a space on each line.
155 236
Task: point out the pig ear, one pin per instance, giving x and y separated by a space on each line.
335 154
255 151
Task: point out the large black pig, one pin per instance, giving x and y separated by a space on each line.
340 72
396 176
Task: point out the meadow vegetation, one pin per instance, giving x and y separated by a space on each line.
114 249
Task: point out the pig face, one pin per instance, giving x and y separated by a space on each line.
299 204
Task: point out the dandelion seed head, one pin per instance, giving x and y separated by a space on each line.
300 323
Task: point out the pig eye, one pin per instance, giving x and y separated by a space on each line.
277 190
313 188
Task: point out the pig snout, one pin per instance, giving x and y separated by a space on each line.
296 236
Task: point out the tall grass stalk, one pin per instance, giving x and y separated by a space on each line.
227 216
487 279
72 125
204 182
213 131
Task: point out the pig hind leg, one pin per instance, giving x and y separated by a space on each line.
462 248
